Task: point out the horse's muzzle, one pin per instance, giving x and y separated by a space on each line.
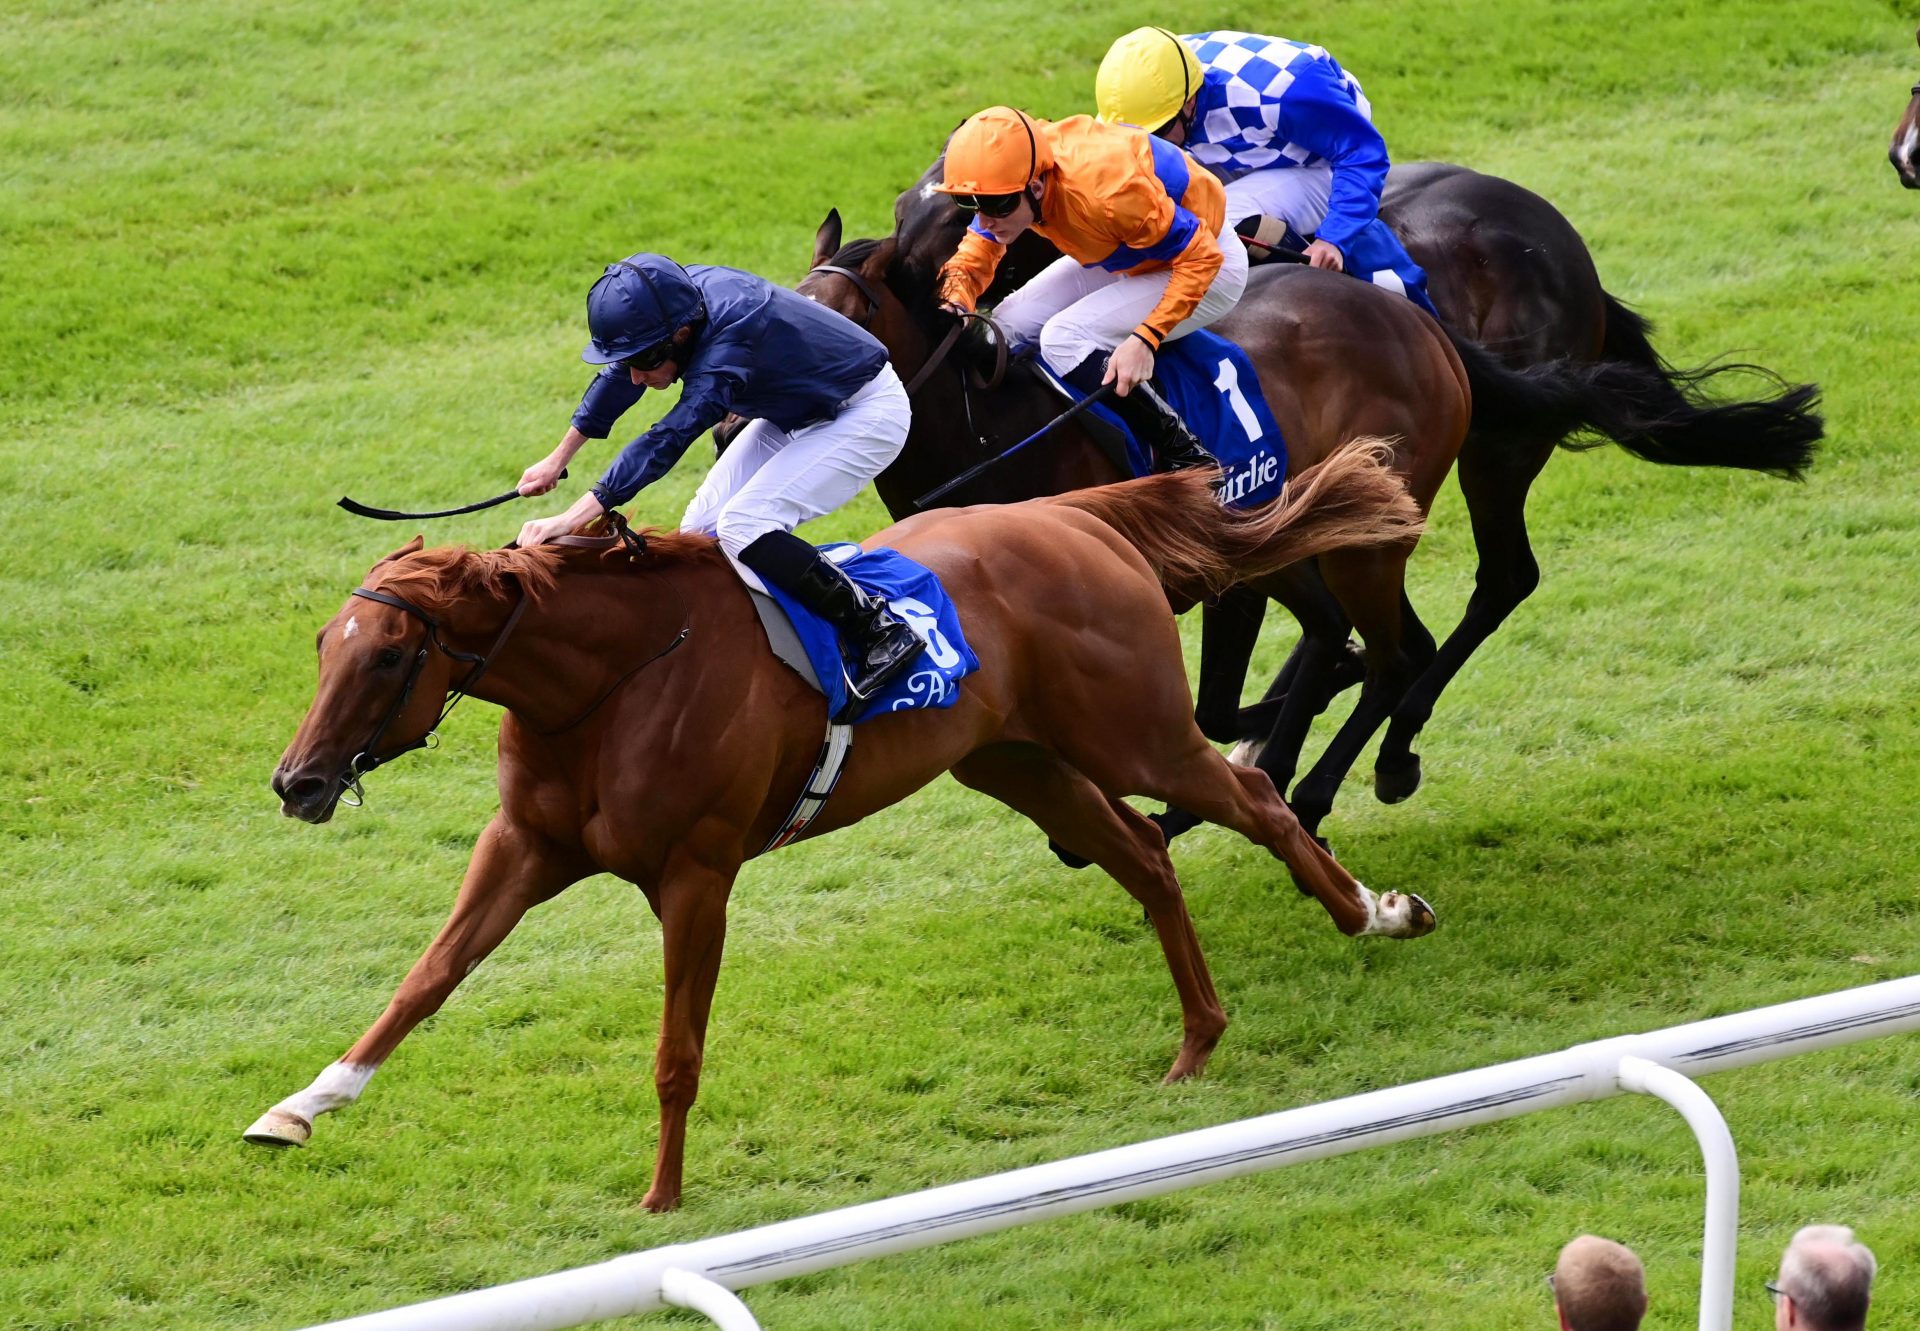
311 799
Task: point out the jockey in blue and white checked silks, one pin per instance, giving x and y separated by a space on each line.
1289 131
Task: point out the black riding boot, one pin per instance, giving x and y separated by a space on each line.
1147 414
876 644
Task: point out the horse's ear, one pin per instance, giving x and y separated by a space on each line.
412 547
826 241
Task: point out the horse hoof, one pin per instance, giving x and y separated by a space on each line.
1402 915
1067 857
1392 785
1246 753
277 1127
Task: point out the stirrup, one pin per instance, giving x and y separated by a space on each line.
865 681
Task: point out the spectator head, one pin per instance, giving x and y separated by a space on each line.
1599 1285
1824 1283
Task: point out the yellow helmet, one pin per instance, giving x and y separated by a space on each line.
998 151
1146 78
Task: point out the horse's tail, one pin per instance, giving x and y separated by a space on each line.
1636 400
1199 548
1775 433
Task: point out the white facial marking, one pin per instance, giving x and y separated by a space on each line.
1910 142
353 627
928 190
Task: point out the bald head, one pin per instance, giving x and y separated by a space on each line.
1599 1285
1829 1277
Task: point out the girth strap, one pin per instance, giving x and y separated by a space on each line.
818 785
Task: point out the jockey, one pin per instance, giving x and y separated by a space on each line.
1288 130
828 414
1138 226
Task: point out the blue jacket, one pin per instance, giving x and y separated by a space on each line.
1266 103
765 354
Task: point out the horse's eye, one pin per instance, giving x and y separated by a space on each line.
388 658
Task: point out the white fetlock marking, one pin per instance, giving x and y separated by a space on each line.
337 1086
1246 753
1393 915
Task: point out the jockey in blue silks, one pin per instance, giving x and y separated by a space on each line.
826 411
1287 129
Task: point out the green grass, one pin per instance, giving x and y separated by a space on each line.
253 257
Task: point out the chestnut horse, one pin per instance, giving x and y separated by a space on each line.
1905 152
1509 274
650 732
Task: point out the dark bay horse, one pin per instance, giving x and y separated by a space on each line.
650 732
1338 360
1508 273
1905 152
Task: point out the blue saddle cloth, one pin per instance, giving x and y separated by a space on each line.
1211 382
915 595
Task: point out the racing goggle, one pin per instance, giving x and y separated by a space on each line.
651 359
993 205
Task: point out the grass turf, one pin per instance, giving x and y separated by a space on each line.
253 257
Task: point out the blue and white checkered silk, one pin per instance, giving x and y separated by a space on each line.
1258 93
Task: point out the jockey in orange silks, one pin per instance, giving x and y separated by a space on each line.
1139 225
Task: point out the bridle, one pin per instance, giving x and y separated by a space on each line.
986 384
369 757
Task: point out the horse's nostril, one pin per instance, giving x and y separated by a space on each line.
306 790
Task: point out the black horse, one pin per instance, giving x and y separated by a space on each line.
1507 272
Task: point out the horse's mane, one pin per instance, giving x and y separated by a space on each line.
436 580
905 279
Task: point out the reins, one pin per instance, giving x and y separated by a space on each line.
986 384
636 545
367 759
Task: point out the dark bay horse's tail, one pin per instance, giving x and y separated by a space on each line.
1774 434
1635 399
1199 548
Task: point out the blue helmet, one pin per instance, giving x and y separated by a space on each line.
638 303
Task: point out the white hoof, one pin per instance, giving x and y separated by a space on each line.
277 1127
1399 915
1246 753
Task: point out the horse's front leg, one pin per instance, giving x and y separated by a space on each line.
692 905
512 870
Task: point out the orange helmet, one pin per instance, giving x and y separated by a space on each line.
999 151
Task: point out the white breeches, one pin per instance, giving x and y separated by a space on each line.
1297 195
1074 312
773 480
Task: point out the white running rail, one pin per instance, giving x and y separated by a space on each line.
700 1275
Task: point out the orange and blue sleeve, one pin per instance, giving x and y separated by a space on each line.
1166 231
966 276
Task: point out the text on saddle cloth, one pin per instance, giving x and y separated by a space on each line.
914 594
1212 384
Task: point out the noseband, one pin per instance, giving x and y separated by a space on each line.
369 758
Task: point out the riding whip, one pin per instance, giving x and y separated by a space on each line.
973 471
358 509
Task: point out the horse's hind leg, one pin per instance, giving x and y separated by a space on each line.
1495 480
1244 798
512 870
1075 814
1315 666
1229 628
1370 584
